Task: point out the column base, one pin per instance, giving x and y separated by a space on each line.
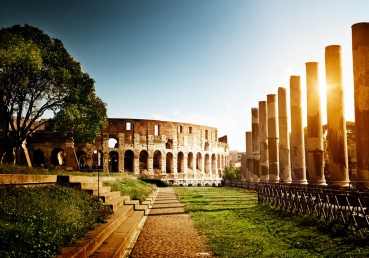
345 183
300 182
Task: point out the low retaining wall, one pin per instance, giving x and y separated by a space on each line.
21 179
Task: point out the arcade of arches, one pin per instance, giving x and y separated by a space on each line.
180 153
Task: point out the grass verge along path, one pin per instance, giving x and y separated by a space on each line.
236 226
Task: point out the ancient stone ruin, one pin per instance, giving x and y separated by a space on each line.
177 153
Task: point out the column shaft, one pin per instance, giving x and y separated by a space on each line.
273 138
360 57
297 133
255 144
337 138
249 156
263 137
284 139
315 146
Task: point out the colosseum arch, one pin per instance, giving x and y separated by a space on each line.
207 164
143 160
81 157
113 161
206 146
128 160
180 162
169 144
213 164
58 157
190 161
199 161
157 162
113 142
169 162
38 158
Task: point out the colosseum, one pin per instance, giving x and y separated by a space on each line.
177 153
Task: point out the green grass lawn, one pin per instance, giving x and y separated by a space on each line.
236 226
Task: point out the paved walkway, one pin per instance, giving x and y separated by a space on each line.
169 232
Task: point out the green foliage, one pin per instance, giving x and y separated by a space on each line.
236 226
37 74
232 173
17 169
136 189
84 114
37 222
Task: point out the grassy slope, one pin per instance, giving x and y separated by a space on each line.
37 222
236 226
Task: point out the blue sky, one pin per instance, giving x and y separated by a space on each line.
197 61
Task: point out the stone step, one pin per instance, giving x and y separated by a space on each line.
93 191
107 197
117 202
145 207
90 185
94 238
135 203
119 240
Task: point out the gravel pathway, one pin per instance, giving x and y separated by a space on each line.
169 231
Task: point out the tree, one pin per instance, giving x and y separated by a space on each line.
83 114
37 74
232 173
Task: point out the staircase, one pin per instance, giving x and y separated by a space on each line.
113 238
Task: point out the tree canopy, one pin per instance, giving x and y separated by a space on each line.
37 75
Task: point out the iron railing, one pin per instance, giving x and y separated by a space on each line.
348 205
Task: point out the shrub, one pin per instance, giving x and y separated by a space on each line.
37 222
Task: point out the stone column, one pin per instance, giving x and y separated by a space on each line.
273 138
315 145
255 144
249 157
284 138
297 133
337 138
360 58
263 138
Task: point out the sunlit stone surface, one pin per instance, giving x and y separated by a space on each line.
337 138
297 133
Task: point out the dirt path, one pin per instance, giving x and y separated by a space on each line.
169 231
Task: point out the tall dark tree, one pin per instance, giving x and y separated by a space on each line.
37 74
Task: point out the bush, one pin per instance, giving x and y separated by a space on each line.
232 173
37 222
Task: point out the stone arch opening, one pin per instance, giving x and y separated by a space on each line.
207 164
128 161
169 144
58 157
97 159
190 161
143 160
113 143
169 162
157 160
180 162
213 164
81 157
38 158
206 146
113 161
199 161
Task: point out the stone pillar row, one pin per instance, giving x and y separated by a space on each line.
275 155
